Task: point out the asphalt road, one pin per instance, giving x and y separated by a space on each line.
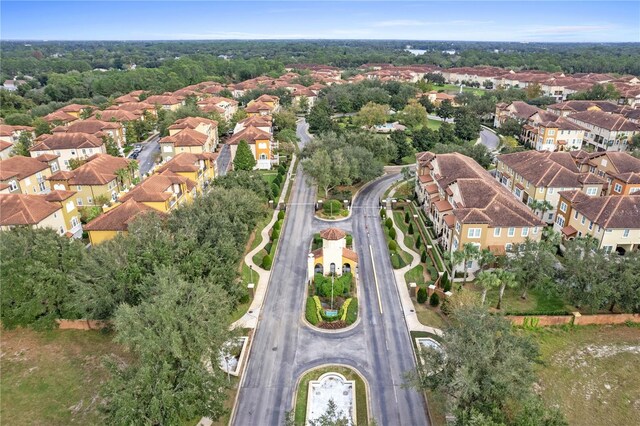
283 348
146 159
489 139
224 160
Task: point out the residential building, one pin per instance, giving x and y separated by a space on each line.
261 145
60 118
76 110
168 102
258 108
534 177
223 106
604 131
200 168
115 221
12 133
97 128
26 175
517 110
559 135
68 146
195 135
466 205
620 170
54 210
613 220
262 122
98 181
564 109
163 191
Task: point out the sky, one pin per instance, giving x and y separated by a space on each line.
551 21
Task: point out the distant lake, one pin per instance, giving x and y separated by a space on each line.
416 51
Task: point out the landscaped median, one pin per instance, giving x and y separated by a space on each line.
330 303
340 371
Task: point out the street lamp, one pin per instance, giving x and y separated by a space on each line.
226 360
332 277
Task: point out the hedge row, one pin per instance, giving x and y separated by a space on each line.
311 312
352 311
344 308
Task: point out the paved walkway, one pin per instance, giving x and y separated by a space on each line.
411 318
250 319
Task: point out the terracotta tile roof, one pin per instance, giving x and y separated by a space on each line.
68 141
8 130
58 195
267 98
610 212
192 123
612 122
134 107
332 234
157 188
449 220
579 106
119 218
163 100
117 114
257 121
186 162
569 231
443 206
20 167
98 170
621 161
4 145
186 137
22 209
250 134
76 108
126 98
425 178
432 188
349 254
91 126
523 110
59 116
46 157
257 107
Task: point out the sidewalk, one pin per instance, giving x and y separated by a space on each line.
250 319
411 318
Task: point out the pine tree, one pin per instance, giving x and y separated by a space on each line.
244 159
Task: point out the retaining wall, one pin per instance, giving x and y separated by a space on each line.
575 319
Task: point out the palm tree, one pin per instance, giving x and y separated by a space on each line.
541 206
132 166
468 252
486 258
121 175
487 280
505 279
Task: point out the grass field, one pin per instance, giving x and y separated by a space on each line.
269 176
591 373
536 301
53 377
449 88
349 374
428 316
434 124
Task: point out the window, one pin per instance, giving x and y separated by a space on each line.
549 141
42 186
78 188
563 207
511 232
508 246
552 132
535 230
583 220
550 190
590 225
89 200
607 249
474 232
541 190
592 190
454 246
13 186
61 230
66 163
525 232
458 226
496 232
604 162
74 221
518 192
575 214
54 167
617 188
79 201
560 221
625 233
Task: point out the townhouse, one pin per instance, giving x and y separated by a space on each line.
60 118
196 135
564 109
605 131
534 177
613 220
26 175
517 110
115 221
620 170
200 168
77 110
467 206
98 181
163 191
261 145
68 146
555 134
262 122
223 106
54 210
97 128
9 135
168 102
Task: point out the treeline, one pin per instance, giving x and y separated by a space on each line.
47 57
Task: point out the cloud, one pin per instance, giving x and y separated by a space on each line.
419 23
566 29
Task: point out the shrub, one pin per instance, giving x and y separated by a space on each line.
422 295
410 230
277 225
332 206
444 282
432 272
275 234
393 246
280 215
275 190
352 311
383 213
266 262
349 240
343 309
395 261
317 239
278 180
434 300
267 247
407 216
244 298
423 257
282 169
392 233
445 308
418 242
388 223
311 311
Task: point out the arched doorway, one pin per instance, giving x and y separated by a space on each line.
318 269
346 268
332 268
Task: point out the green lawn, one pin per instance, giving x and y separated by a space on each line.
591 373
268 176
437 402
53 377
349 374
453 88
415 275
536 301
434 124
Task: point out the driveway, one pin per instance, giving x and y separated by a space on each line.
224 160
283 348
489 139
